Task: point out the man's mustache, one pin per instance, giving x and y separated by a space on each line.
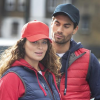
59 33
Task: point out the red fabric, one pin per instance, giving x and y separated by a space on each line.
35 30
77 86
56 85
11 86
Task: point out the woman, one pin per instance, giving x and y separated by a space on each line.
23 67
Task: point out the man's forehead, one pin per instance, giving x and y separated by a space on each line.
61 16
62 19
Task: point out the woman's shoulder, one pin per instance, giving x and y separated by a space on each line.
11 79
11 83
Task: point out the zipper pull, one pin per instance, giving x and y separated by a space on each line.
44 86
65 91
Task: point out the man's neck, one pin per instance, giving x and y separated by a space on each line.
61 48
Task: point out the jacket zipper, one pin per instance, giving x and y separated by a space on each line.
46 90
54 95
59 80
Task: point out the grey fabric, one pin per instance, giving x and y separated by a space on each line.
73 57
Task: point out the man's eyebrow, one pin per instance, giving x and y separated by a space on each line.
67 24
64 24
57 21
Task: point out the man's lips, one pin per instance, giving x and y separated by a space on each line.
58 36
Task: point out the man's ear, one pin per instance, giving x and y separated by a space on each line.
75 30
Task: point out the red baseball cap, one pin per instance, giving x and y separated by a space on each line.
35 30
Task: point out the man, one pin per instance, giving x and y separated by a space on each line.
80 72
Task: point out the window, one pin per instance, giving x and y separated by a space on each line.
21 5
85 22
51 4
97 9
10 5
14 30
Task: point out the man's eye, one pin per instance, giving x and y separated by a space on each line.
66 26
56 24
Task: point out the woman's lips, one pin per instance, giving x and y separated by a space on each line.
39 53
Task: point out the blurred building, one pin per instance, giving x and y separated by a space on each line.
89 26
15 13
12 17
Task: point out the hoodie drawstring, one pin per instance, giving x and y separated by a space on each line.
41 86
66 73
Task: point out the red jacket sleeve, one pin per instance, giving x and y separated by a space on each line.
11 87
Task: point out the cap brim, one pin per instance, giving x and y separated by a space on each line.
57 13
38 37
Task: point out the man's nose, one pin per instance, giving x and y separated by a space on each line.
60 29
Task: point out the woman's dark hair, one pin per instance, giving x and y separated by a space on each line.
11 54
51 60
16 52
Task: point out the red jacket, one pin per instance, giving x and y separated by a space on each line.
77 86
12 83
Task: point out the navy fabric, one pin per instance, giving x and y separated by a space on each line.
94 77
51 83
69 10
93 72
32 89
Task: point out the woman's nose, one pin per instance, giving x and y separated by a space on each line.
40 46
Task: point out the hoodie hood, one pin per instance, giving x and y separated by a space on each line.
24 63
65 59
73 47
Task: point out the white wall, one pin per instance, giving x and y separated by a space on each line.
6 28
37 8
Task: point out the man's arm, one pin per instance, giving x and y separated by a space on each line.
94 77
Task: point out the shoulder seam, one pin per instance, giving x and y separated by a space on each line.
88 72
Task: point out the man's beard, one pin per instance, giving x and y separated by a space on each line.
65 39
62 42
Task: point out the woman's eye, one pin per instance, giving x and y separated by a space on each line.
45 42
34 42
